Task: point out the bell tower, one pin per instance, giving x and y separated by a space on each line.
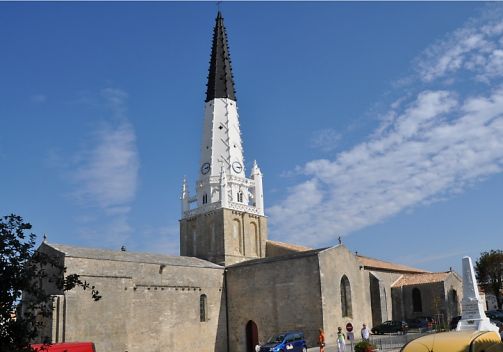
224 221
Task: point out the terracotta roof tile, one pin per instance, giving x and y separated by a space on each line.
418 279
289 246
371 263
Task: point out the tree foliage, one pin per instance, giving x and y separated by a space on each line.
489 270
365 346
22 272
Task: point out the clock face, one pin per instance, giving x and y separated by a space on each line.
237 167
205 168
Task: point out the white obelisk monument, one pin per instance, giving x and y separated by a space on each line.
473 316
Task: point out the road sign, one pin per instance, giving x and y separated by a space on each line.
349 327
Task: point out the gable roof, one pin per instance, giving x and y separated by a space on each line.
288 246
418 279
371 263
136 257
367 262
289 256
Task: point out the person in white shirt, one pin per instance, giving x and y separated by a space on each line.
365 333
341 340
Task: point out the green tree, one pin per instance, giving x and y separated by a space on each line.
489 270
22 270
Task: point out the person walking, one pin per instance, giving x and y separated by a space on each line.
341 340
321 340
365 333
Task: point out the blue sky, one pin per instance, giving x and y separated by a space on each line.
380 122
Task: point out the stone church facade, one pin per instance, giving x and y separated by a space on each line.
231 286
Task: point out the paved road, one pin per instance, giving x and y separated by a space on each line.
333 348
384 343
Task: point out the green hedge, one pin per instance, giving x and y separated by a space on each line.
364 346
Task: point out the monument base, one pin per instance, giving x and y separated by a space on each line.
483 324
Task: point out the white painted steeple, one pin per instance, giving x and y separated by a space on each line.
222 181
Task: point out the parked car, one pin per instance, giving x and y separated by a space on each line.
421 323
289 341
495 315
65 347
454 322
415 323
390 326
496 322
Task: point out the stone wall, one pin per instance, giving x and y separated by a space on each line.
335 263
278 294
245 236
398 304
432 298
53 272
146 307
224 236
440 299
382 300
202 236
453 291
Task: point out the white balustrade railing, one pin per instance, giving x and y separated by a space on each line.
202 209
213 206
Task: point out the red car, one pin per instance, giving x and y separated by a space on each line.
65 347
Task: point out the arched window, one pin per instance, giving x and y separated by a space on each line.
453 302
202 308
417 304
205 198
240 197
347 311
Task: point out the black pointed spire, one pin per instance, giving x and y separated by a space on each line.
220 81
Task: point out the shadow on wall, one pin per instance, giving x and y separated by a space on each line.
221 338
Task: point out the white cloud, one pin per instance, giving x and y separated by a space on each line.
326 140
106 174
436 146
476 48
115 100
429 146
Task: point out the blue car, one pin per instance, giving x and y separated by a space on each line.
290 341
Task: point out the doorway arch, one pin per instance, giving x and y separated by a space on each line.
251 336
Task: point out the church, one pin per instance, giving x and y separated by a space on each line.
232 287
